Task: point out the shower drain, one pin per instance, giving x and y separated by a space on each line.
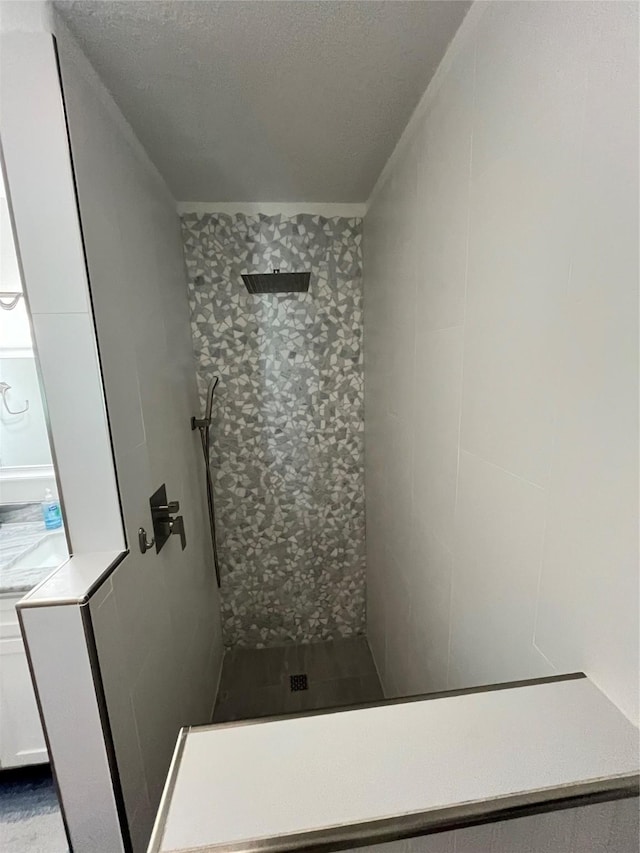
299 682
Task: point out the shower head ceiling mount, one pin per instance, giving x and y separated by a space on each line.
277 282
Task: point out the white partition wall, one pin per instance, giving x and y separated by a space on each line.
102 257
412 767
156 620
42 200
72 708
602 828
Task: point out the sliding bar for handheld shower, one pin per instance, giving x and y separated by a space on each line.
203 424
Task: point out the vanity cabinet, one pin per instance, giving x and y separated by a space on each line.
21 736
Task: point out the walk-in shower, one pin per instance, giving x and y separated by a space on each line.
288 454
203 425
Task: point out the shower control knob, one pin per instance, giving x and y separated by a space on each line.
176 526
170 508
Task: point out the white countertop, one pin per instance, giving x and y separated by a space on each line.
235 783
21 567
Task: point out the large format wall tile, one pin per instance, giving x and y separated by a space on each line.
497 555
591 544
506 397
287 434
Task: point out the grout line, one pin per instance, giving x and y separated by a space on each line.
375 665
536 611
515 476
217 690
552 452
464 329
542 654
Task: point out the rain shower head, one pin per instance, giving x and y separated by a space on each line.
277 282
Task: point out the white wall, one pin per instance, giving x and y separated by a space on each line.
9 271
501 360
43 205
24 441
156 620
23 437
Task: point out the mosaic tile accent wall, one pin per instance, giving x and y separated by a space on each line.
288 422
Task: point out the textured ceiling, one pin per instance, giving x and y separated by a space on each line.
266 100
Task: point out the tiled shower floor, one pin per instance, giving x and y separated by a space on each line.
256 682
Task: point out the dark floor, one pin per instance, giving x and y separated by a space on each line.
256 682
30 818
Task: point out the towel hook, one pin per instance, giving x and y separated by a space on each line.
4 389
9 299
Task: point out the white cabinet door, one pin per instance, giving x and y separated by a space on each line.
21 737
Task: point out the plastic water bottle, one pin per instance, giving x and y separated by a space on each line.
51 511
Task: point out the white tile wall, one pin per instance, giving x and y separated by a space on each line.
497 552
57 652
157 627
501 360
